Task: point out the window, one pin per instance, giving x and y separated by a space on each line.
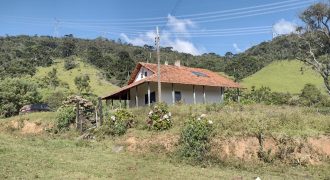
142 74
199 74
145 74
177 96
152 98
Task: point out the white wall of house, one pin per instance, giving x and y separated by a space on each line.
212 94
141 74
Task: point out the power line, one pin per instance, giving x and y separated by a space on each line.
198 18
204 19
287 3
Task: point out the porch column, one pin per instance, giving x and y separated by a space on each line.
127 99
173 95
238 98
119 102
148 94
194 94
222 90
204 96
136 97
111 103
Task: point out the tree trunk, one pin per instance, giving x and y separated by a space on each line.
327 84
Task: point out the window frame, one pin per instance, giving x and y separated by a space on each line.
152 98
177 96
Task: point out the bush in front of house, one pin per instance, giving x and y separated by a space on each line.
159 118
195 138
65 117
117 123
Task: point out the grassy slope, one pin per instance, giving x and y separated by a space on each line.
52 157
99 86
284 76
45 158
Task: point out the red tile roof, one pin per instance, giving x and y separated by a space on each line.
179 75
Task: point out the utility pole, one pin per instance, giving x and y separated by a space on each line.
157 39
149 58
274 34
56 27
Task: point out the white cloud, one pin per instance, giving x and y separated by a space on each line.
284 27
237 49
168 38
179 25
185 46
139 41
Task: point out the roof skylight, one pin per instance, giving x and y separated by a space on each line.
199 74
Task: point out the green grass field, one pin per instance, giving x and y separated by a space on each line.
284 76
50 156
99 85
45 158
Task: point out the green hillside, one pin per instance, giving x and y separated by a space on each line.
99 85
284 76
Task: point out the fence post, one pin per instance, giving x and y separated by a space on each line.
96 117
100 111
77 115
81 124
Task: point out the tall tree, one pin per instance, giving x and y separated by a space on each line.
314 41
82 83
123 65
52 78
68 46
94 56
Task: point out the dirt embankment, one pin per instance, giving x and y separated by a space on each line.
312 150
25 126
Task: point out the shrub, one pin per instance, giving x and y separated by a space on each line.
310 95
66 116
159 118
69 64
195 138
15 93
54 99
116 124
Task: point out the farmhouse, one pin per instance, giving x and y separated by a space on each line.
178 84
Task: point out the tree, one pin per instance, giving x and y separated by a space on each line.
94 55
14 94
122 66
82 83
314 40
52 78
229 55
68 46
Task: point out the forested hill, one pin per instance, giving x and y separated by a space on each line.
20 55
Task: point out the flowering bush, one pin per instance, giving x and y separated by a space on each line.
159 118
195 137
116 124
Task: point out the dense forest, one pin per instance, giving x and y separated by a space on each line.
20 55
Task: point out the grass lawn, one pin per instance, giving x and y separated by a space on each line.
284 76
44 117
99 86
46 158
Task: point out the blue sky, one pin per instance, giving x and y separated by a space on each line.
192 26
